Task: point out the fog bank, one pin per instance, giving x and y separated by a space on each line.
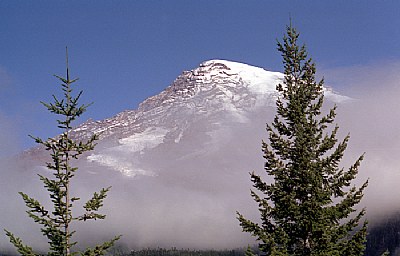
203 180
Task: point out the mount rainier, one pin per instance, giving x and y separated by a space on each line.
179 163
216 95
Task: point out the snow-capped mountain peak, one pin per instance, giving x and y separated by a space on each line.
216 85
215 92
213 96
227 79
257 79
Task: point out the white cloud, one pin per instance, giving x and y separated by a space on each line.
374 125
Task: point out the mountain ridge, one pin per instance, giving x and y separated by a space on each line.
236 86
184 87
217 93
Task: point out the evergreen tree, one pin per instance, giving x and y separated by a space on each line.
64 149
249 251
309 207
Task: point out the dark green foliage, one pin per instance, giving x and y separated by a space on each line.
63 150
249 251
21 248
386 253
309 208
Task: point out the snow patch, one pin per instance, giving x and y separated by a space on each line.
148 139
119 158
124 167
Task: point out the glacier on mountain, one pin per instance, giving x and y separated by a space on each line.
218 91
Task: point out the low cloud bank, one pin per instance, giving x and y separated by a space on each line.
373 121
201 183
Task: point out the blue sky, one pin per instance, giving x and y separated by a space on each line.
126 51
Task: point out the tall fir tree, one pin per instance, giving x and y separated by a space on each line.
56 225
309 207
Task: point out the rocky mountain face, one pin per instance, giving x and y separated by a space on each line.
216 94
214 87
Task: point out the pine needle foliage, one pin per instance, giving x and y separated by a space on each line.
63 150
386 253
249 251
309 207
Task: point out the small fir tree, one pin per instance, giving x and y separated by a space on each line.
64 149
307 208
249 251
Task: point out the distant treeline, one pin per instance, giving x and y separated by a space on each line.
384 236
116 251
380 238
179 252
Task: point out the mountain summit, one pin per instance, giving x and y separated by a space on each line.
216 85
216 93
